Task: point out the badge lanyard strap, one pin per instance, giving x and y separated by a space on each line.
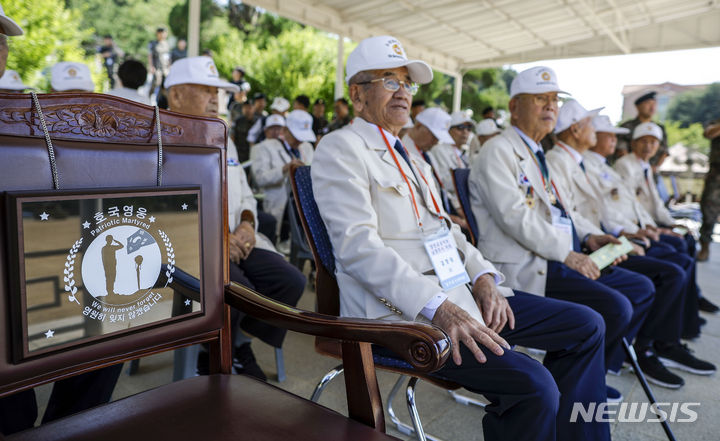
437 178
288 150
548 188
407 181
571 155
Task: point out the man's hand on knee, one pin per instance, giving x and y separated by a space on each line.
461 327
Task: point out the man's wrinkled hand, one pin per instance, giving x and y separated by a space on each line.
461 327
494 306
582 264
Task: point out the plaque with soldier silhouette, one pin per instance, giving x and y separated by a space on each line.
93 264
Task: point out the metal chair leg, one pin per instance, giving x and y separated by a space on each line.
630 352
280 364
399 425
334 372
463 399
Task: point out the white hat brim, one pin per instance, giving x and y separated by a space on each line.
9 27
615 130
442 136
419 71
86 85
220 84
303 135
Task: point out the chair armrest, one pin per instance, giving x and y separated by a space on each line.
182 283
425 347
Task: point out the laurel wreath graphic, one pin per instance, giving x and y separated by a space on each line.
170 251
69 277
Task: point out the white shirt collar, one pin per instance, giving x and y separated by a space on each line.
645 164
574 153
598 156
533 145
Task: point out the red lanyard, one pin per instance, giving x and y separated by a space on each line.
547 188
560 143
407 181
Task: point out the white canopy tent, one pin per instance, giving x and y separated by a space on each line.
454 36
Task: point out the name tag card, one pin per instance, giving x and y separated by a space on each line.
561 223
449 268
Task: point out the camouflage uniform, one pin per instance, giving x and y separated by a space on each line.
710 201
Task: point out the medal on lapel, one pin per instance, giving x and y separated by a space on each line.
615 194
530 198
551 196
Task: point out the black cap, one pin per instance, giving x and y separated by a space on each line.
240 69
320 101
259 96
418 103
645 97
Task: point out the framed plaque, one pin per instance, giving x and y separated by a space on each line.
95 264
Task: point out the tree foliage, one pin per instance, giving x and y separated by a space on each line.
52 33
481 88
690 136
696 106
132 23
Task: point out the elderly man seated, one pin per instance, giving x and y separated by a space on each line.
658 321
400 258
532 231
287 142
637 173
192 85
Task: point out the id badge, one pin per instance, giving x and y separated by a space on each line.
443 253
560 222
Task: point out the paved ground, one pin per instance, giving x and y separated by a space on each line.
445 418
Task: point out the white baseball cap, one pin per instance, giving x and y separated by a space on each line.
274 120
8 26
280 104
299 122
602 124
69 75
385 52
647 129
11 81
572 112
536 80
460 117
438 121
197 70
487 127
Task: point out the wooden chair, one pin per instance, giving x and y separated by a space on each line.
103 142
328 302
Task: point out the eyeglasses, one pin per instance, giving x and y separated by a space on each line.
468 127
544 100
393 84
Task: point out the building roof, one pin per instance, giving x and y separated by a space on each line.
458 35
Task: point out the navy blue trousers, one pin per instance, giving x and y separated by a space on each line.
622 297
681 251
271 275
81 392
529 401
665 319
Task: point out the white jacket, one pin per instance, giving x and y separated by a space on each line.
576 189
268 159
519 238
630 167
621 209
382 268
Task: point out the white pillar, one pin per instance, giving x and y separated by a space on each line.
193 41
340 68
457 92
